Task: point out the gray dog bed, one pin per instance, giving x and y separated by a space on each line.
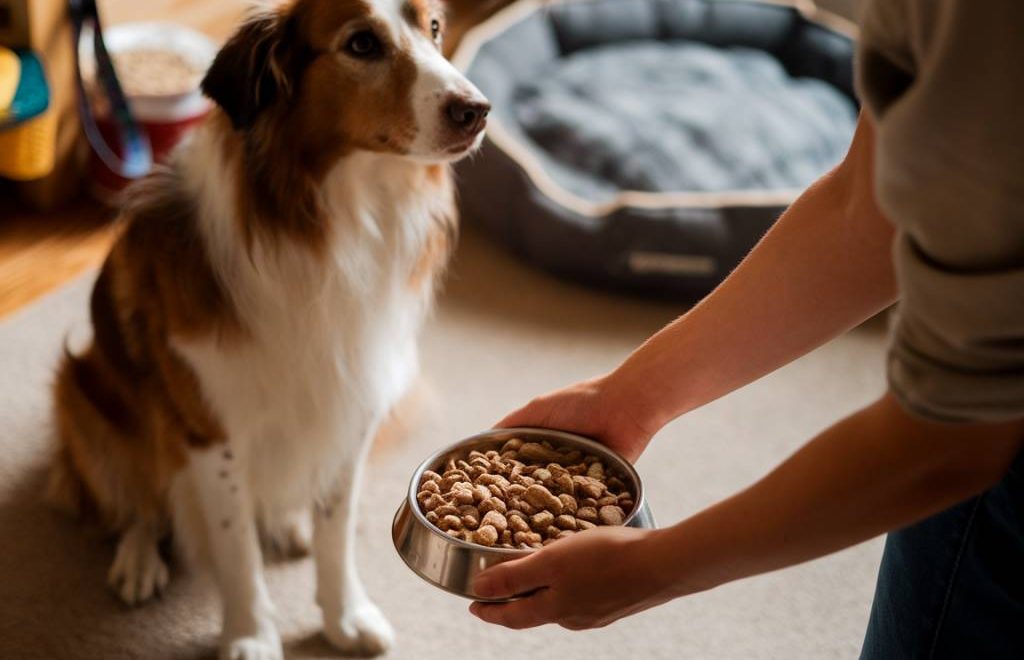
648 144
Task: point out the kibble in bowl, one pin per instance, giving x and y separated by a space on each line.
504 493
525 494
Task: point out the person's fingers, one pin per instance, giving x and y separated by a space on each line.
513 577
525 416
526 613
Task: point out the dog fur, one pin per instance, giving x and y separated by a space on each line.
257 318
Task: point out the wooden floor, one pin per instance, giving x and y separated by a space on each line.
41 251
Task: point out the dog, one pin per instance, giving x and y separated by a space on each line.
257 317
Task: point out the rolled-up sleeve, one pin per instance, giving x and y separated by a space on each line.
944 84
957 350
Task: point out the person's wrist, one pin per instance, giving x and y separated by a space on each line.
688 566
672 575
629 390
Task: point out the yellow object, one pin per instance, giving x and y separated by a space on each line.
10 74
28 150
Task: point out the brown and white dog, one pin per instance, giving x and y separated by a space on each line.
258 316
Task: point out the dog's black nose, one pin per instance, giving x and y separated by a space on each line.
467 116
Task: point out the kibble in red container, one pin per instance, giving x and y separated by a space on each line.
160 66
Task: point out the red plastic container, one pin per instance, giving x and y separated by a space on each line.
166 118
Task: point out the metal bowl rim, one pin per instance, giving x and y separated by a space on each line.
638 501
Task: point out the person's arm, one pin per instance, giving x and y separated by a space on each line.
822 269
877 470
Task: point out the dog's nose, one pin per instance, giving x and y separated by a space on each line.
468 116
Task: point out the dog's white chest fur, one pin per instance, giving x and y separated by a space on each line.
332 342
299 321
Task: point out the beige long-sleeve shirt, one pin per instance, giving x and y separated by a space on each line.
944 82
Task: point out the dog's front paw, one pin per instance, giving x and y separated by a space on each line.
360 630
138 573
263 647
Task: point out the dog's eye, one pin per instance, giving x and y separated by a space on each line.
364 44
435 29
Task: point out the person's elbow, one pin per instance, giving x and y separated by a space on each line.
959 459
971 471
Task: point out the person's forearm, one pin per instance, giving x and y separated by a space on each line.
872 472
823 268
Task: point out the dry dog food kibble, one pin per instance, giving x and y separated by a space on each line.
526 495
153 72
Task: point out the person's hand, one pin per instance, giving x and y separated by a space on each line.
585 581
593 408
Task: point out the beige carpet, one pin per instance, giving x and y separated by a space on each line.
502 334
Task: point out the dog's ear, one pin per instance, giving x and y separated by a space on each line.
246 76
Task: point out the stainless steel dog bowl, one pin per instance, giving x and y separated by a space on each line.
450 563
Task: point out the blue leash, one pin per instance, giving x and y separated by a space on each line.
138 154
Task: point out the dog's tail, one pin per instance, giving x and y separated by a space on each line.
65 490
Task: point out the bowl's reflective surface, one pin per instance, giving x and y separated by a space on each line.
452 564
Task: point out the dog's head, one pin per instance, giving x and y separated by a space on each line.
344 75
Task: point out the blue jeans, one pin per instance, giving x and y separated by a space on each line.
952 586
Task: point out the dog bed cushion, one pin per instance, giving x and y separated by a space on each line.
660 117
648 144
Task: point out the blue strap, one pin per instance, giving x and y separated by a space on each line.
137 160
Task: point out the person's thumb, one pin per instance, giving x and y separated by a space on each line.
512 578
528 415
